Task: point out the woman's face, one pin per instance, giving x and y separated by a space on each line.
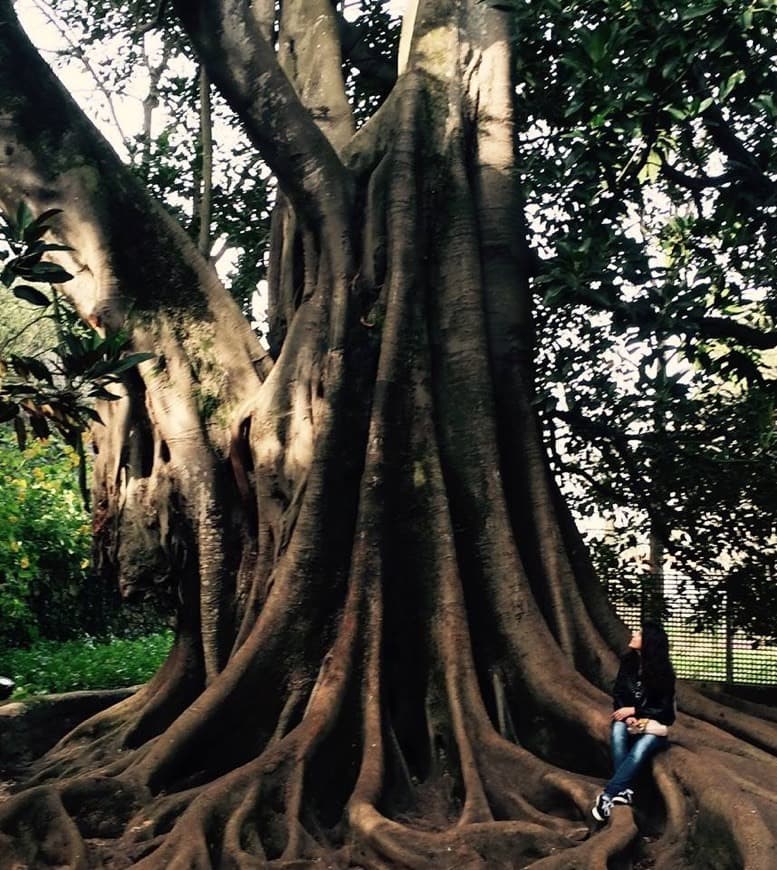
636 639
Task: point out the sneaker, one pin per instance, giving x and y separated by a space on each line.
625 797
602 807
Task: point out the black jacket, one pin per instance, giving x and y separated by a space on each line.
629 691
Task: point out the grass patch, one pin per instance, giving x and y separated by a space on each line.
49 667
702 656
753 667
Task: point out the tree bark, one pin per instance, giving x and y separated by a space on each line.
391 651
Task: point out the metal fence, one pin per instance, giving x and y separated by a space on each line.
699 651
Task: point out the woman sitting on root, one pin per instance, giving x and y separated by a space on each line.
643 710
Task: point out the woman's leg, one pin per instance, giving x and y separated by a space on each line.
645 746
619 743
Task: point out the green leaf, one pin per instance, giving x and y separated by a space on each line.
650 170
93 415
670 66
731 82
28 365
44 216
595 43
52 246
767 102
101 393
76 344
31 295
18 365
8 274
50 273
23 219
688 14
677 112
130 362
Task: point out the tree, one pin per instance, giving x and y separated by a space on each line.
391 648
649 167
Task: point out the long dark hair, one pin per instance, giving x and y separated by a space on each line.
657 670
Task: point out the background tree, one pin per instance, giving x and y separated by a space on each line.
649 169
391 648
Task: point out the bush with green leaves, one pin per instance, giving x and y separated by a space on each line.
53 667
47 587
45 536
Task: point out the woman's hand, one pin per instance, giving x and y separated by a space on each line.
623 713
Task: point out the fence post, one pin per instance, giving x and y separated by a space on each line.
729 636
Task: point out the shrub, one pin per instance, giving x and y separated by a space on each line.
53 666
47 587
44 535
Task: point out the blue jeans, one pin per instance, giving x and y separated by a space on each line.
630 752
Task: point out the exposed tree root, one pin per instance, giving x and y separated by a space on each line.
257 815
725 695
735 720
485 844
39 828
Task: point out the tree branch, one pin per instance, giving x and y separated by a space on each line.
128 252
156 20
243 65
9 340
618 442
369 63
707 327
44 9
578 422
151 100
692 182
206 143
728 142
723 327
310 53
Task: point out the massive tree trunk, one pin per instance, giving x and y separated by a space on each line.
391 648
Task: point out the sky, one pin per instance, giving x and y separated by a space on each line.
121 116
46 28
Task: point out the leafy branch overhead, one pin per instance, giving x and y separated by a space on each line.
58 386
650 171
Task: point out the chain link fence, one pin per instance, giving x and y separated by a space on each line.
704 645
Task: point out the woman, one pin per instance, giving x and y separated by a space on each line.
643 696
